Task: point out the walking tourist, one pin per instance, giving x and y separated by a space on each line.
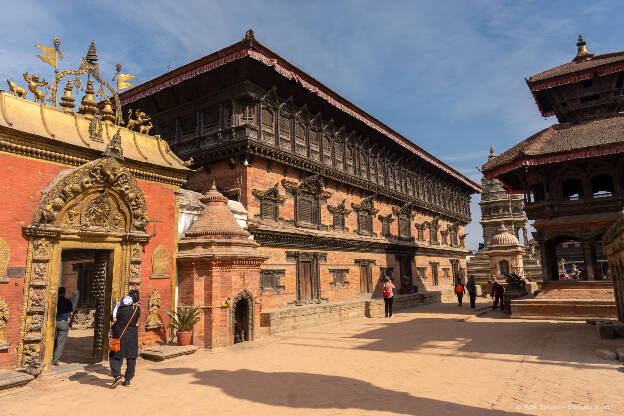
64 312
459 291
472 291
125 329
497 293
388 296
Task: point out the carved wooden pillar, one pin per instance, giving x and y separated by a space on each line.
589 256
548 260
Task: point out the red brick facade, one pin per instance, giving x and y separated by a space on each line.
261 176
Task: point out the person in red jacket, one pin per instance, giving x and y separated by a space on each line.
459 291
388 296
497 293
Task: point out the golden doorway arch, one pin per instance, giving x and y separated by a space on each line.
98 206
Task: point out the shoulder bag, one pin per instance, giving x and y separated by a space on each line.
114 344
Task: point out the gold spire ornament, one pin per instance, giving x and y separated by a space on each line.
67 100
122 79
108 115
582 53
88 105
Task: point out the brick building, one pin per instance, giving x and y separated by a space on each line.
79 196
335 198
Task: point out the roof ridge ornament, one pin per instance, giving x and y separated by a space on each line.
582 53
114 149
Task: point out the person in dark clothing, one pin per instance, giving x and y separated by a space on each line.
472 291
497 293
64 311
127 317
459 291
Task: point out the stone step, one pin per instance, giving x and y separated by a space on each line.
165 352
12 378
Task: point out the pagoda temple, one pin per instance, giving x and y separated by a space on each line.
498 207
571 177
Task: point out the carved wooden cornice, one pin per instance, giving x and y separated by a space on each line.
386 218
251 148
271 194
339 209
366 205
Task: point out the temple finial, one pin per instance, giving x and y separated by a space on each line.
91 54
213 187
249 35
582 52
492 154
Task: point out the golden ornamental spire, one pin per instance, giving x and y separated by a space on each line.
88 105
67 100
582 53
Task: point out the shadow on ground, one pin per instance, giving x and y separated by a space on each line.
318 391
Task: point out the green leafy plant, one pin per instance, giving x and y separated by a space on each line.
184 318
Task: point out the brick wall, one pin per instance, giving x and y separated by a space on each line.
22 181
262 175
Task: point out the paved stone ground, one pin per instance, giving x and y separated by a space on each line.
432 360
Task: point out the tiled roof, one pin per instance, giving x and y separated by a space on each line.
580 66
562 139
249 47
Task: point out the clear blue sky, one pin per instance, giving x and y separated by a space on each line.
449 75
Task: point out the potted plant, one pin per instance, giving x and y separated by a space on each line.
183 321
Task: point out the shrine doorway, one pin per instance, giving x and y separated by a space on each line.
242 323
503 267
366 278
86 276
308 285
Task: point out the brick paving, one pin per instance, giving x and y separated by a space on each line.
432 360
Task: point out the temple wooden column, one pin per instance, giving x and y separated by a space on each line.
548 260
589 256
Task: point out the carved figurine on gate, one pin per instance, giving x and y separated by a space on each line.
15 89
153 319
140 118
34 83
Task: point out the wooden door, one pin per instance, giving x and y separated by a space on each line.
305 273
366 278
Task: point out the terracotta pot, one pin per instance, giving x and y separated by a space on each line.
184 338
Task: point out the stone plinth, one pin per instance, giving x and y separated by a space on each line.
10 378
165 352
565 299
297 317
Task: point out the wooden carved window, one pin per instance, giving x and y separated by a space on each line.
386 222
314 145
338 154
284 130
339 214
300 138
308 195
268 210
211 120
365 223
248 113
365 212
405 226
433 231
381 174
270 281
444 234
373 169
189 126
421 232
349 158
327 150
227 116
339 278
270 201
268 125
307 209
363 164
